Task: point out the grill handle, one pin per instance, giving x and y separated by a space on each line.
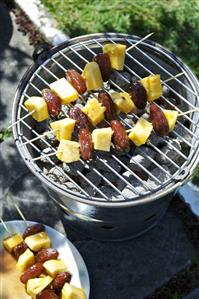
41 53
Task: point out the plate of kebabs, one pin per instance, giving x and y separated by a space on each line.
39 262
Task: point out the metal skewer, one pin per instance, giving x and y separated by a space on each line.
137 43
20 119
173 77
189 111
39 137
21 214
5 226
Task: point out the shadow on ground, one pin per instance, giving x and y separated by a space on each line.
15 57
132 269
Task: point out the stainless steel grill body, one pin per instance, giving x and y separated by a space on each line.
100 216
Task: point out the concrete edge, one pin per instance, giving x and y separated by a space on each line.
43 21
190 195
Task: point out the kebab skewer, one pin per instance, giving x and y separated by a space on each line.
45 276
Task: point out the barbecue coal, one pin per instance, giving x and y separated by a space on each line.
52 158
92 177
141 156
73 168
165 91
159 174
170 152
110 162
71 186
58 172
122 79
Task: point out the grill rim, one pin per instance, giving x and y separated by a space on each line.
56 186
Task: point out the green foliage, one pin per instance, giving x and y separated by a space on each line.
175 22
4 134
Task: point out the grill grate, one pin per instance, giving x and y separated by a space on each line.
76 56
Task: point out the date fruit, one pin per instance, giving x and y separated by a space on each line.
46 254
138 95
107 102
53 102
159 121
47 294
120 138
80 118
19 249
103 60
76 80
33 229
86 145
60 280
32 272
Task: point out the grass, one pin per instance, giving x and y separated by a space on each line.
5 134
175 22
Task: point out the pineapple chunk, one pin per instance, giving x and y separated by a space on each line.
94 110
53 267
171 116
68 151
153 87
12 241
141 132
38 241
71 292
92 75
123 102
63 128
116 53
102 139
36 285
65 91
25 260
39 106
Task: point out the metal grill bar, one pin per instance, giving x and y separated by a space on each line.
165 70
118 175
74 49
145 185
135 74
83 58
51 162
97 189
180 96
88 181
118 87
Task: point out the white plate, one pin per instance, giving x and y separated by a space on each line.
67 252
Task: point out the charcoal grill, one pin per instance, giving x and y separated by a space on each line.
113 215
